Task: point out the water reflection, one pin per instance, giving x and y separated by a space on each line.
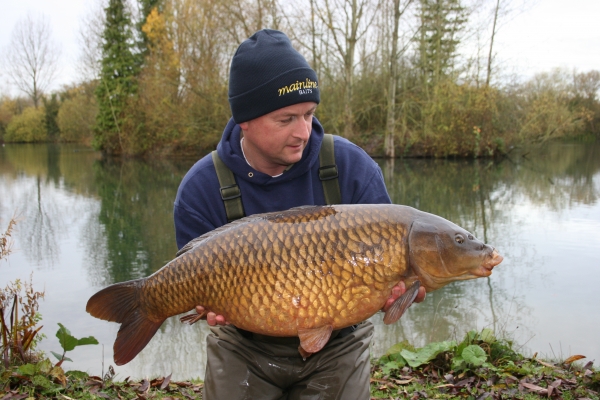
97 221
483 196
36 180
136 218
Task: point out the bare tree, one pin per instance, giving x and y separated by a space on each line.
500 12
32 57
241 18
492 37
346 23
90 41
398 11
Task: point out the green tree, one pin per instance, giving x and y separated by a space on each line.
120 65
441 23
77 114
51 108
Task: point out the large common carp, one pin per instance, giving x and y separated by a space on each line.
301 272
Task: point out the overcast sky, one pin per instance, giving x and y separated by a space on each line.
544 35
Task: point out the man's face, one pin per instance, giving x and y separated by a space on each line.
276 140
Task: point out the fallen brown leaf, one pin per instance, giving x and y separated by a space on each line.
545 364
574 358
556 383
534 388
165 382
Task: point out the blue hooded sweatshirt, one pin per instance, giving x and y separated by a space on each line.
199 207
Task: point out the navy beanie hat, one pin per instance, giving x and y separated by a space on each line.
267 74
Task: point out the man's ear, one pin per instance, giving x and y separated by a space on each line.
244 125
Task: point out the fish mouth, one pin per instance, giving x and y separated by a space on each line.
485 269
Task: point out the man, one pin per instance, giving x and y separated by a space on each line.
272 147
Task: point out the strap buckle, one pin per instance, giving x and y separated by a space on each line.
328 172
230 192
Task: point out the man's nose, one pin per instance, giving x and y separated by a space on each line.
302 129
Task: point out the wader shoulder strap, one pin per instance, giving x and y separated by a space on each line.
328 172
230 191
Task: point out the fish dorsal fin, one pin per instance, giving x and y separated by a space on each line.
314 339
293 215
300 214
401 304
194 242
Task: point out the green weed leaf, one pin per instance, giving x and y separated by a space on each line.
61 357
487 335
398 347
474 355
44 366
393 353
387 368
27 369
458 363
86 340
69 342
42 381
424 355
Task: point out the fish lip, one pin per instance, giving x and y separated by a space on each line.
494 259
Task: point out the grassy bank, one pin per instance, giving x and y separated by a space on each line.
479 367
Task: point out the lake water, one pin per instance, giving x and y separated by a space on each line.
85 222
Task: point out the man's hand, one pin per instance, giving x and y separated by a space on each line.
398 291
213 319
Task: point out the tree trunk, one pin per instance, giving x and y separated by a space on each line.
388 145
489 62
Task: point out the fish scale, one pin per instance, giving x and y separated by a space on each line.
278 248
302 272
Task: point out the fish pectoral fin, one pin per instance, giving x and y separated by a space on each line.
191 319
401 304
305 354
314 339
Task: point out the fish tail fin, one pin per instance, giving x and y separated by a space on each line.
120 303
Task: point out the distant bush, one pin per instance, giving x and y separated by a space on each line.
8 109
28 127
76 118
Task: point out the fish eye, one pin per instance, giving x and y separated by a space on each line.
459 239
